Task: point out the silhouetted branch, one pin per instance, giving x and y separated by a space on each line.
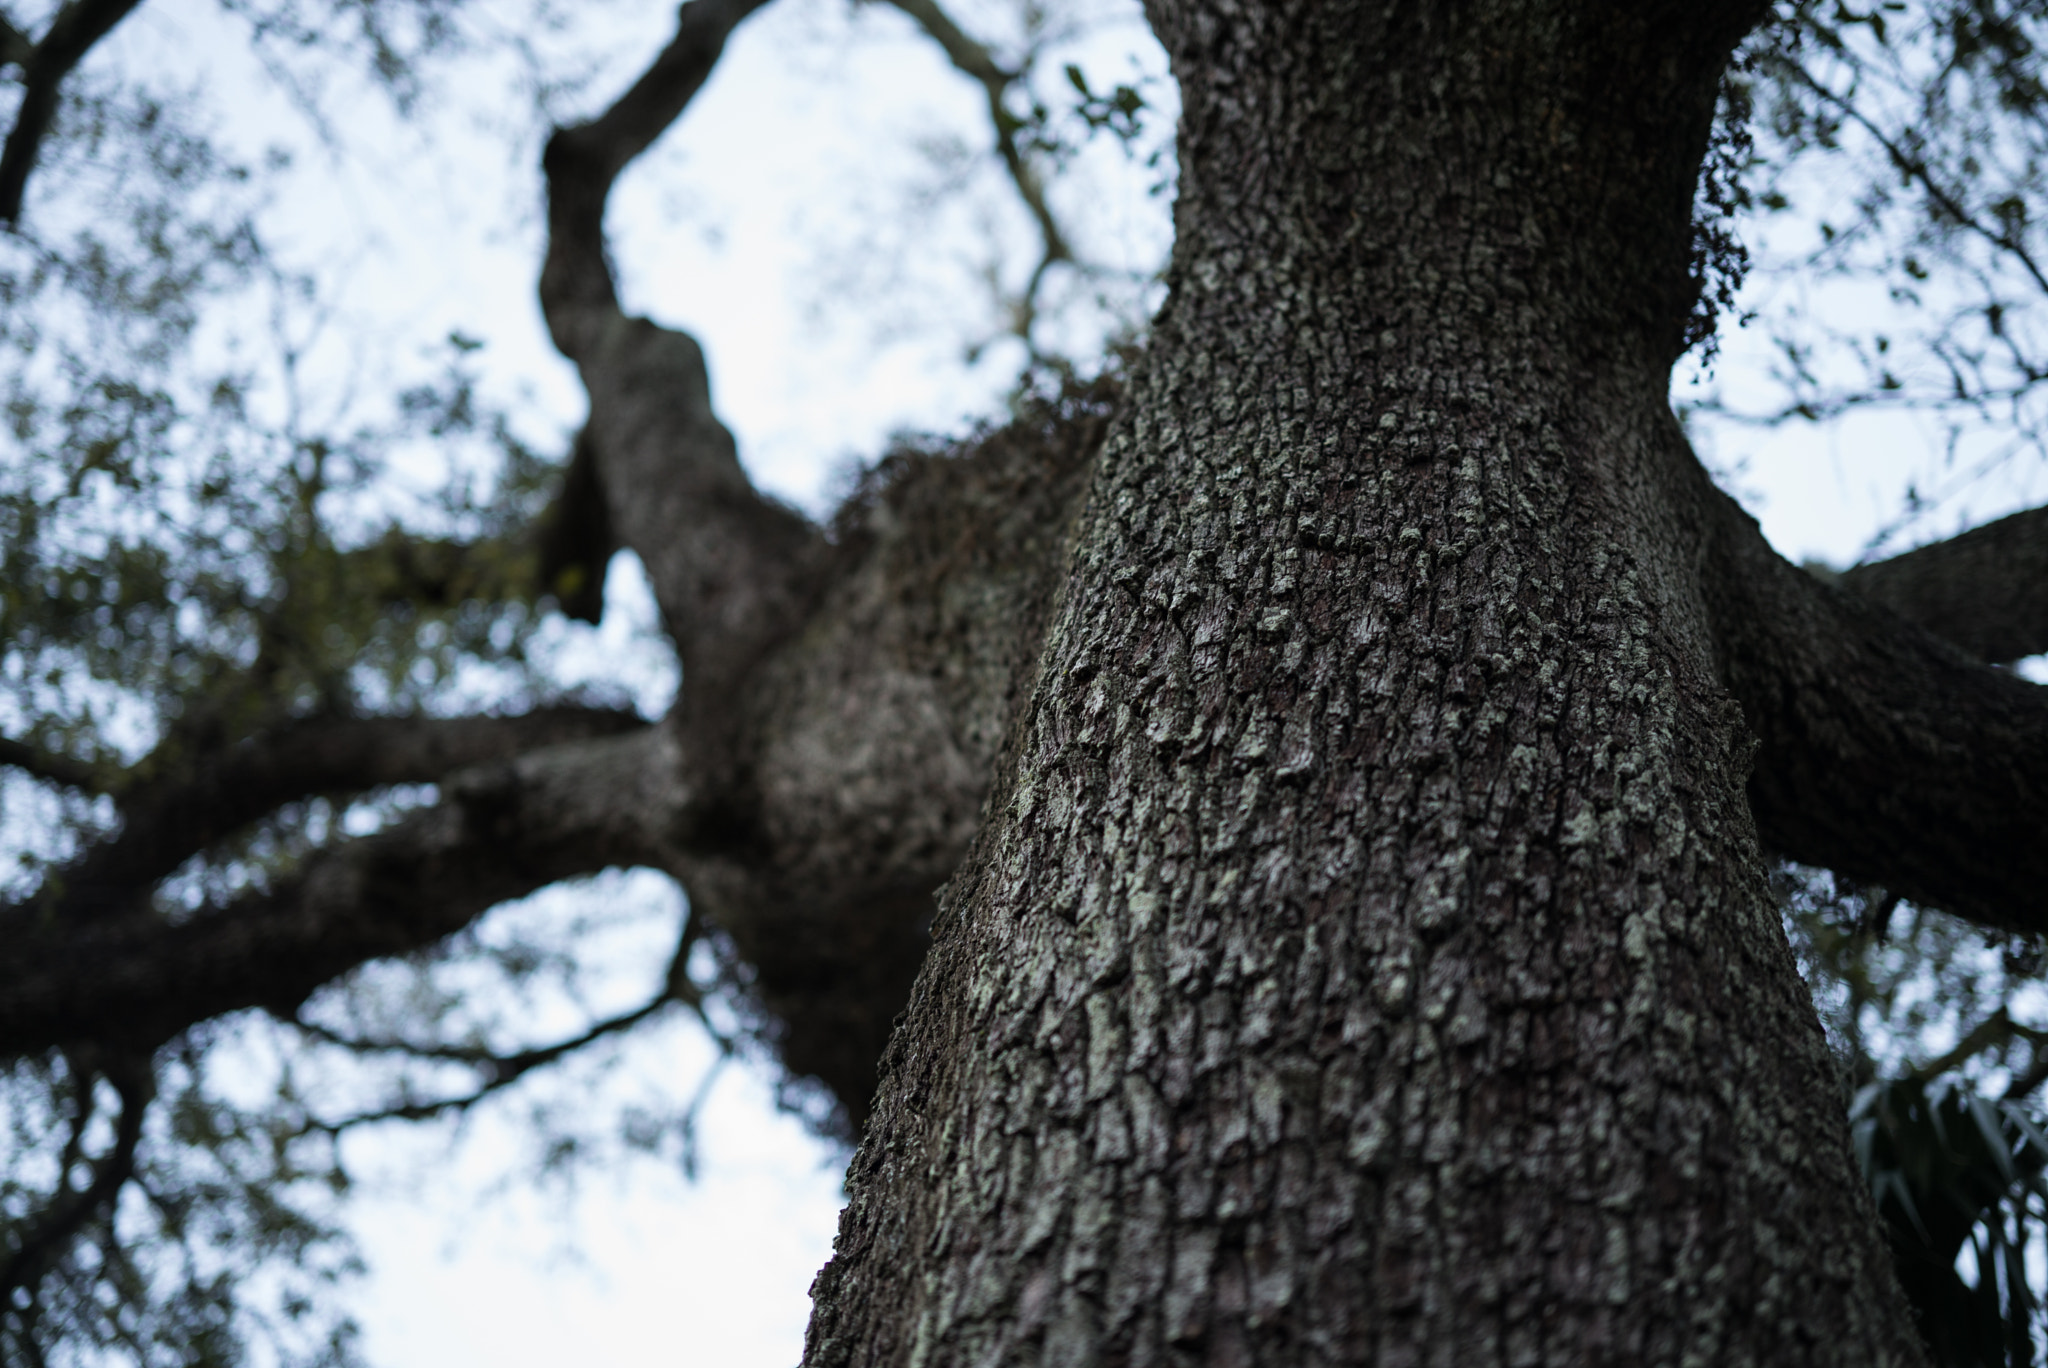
1985 590
501 1070
1915 168
976 62
71 1209
1884 752
499 832
51 765
169 817
44 65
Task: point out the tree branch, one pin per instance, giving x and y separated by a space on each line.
1915 168
581 162
977 63
71 1209
499 1071
54 766
78 26
500 831
1986 590
1884 753
574 541
169 817
17 49
732 571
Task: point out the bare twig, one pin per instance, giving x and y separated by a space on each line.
501 1070
976 62
1917 169
582 162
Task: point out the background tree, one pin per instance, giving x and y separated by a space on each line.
289 652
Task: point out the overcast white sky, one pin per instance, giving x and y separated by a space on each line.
777 224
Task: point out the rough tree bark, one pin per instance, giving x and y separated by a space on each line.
1361 952
1367 956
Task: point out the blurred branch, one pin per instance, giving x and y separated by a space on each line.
17 49
731 570
51 765
1994 1031
1985 590
574 540
501 1070
183 809
1916 168
72 1208
44 65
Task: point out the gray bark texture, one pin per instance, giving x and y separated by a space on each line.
1354 741
1366 958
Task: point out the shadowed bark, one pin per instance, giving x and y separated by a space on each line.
1985 590
1882 751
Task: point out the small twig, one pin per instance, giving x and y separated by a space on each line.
501 1071
1917 168
1994 1030
976 62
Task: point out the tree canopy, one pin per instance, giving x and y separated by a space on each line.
266 653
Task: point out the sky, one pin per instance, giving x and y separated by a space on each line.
805 222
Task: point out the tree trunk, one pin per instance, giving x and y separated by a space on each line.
1366 955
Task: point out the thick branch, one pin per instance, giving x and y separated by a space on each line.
1884 752
582 162
70 36
732 571
167 819
54 766
499 832
1986 590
